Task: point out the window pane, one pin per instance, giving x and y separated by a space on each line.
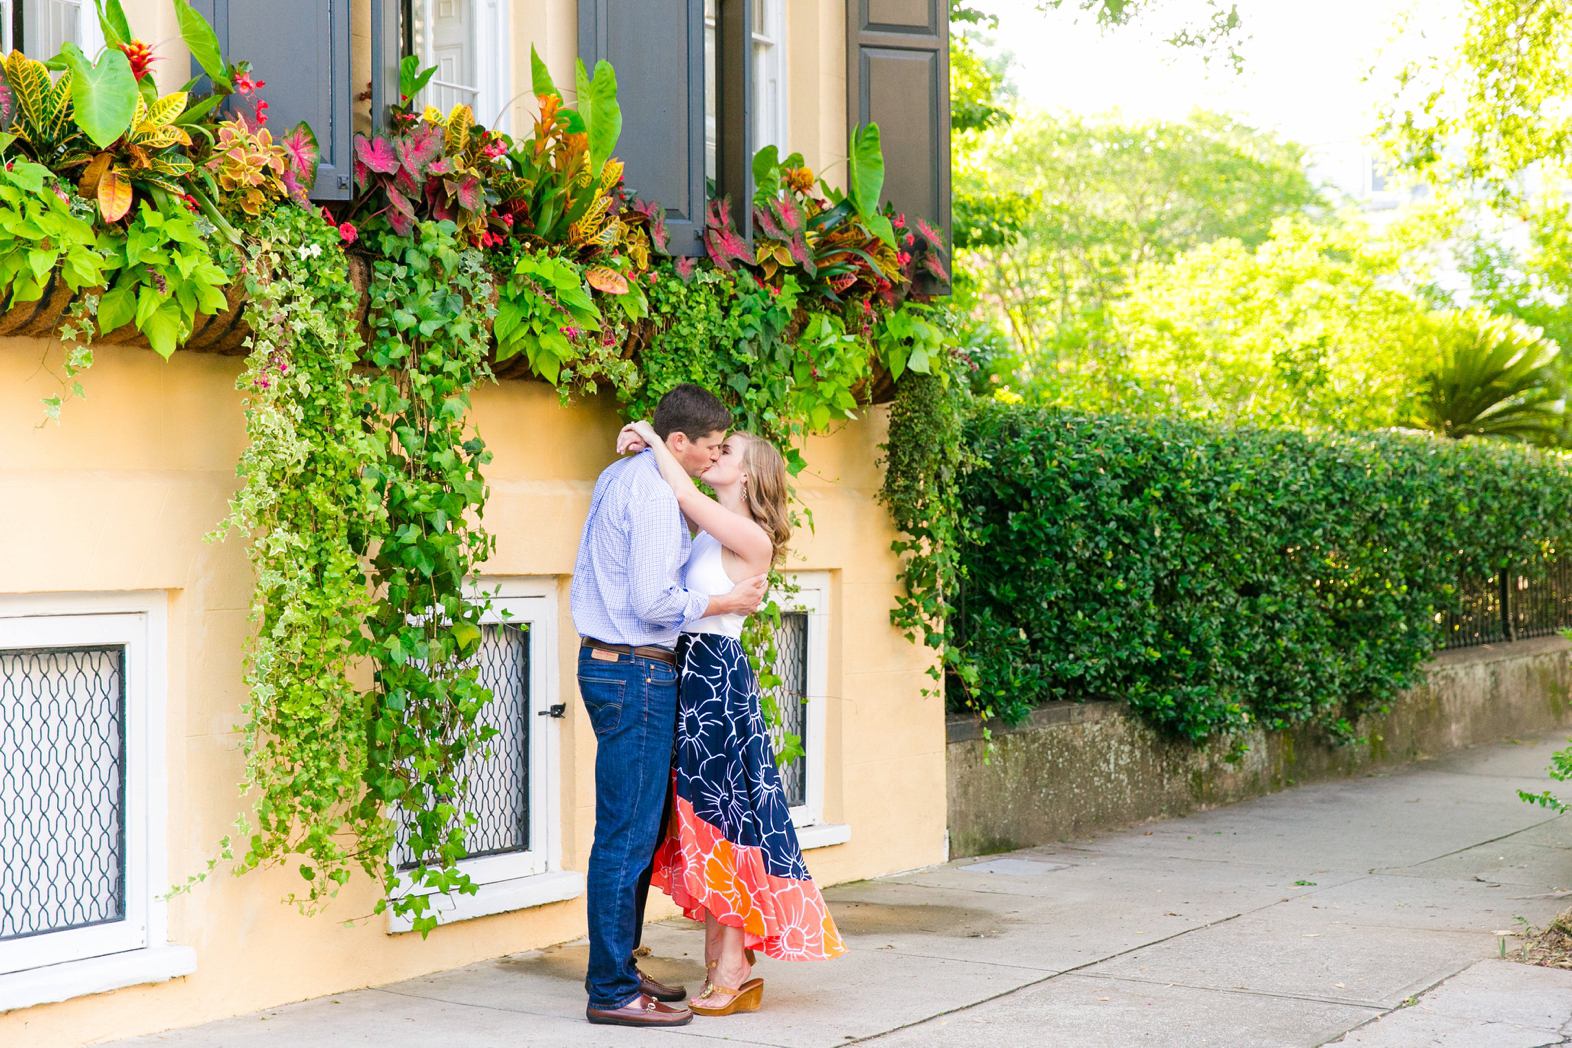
791 699
62 789
498 779
711 95
47 24
443 31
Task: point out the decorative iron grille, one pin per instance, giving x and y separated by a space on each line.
62 789
497 780
791 699
1510 606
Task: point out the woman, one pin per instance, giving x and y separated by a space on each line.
730 857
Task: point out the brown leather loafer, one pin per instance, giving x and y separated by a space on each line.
660 991
643 1010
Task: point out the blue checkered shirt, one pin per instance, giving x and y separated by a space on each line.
626 587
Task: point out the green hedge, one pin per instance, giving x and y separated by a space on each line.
1216 577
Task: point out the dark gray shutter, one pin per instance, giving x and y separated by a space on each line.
301 48
657 49
898 76
734 110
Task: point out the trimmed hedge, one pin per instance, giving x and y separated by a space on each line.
1215 577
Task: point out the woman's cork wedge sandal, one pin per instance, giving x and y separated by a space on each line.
746 998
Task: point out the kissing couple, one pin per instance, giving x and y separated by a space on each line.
687 796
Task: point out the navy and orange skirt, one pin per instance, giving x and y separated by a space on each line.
730 849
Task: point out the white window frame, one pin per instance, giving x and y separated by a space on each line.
812 595
493 63
87 21
55 966
770 123
519 880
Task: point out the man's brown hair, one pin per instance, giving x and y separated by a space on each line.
691 410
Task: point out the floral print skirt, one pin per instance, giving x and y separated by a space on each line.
730 849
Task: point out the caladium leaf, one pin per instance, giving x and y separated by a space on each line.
114 195
685 267
376 154
416 151
104 95
471 196
300 143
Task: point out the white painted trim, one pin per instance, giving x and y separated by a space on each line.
823 835
813 597
534 877
771 124
61 964
61 982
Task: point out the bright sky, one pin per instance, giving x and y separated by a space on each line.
1304 75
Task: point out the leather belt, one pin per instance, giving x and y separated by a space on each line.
642 651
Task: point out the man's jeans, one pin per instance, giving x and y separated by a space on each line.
632 705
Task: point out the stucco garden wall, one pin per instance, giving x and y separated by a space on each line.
120 496
1074 768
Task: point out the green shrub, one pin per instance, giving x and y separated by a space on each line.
1216 577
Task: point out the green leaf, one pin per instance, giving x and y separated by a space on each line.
605 119
540 76
103 96
117 307
766 175
163 329
201 41
112 20
411 78
865 169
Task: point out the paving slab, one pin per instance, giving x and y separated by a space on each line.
1078 1011
1492 1004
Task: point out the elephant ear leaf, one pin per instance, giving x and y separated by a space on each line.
540 77
202 42
104 96
605 123
112 20
866 170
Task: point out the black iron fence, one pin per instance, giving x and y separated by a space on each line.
1510 606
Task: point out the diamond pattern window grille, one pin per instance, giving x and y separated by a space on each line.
498 777
791 698
62 789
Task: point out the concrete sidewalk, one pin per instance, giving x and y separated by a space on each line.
1371 908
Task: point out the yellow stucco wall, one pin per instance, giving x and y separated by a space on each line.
119 497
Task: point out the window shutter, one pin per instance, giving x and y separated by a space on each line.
734 144
898 76
301 48
657 49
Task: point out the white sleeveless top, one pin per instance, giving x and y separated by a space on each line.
704 573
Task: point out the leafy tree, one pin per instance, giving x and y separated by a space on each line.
1095 204
1308 329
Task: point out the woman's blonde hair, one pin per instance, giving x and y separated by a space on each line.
765 490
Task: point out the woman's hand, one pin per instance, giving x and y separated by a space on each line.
635 437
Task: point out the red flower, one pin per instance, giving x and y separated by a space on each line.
899 222
910 240
141 57
775 292
245 85
901 258
348 233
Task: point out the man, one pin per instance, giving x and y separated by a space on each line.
628 606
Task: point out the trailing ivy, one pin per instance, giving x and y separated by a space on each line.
431 298
305 510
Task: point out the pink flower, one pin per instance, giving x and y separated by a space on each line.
348 233
245 85
775 292
902 257
899 222
910 240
